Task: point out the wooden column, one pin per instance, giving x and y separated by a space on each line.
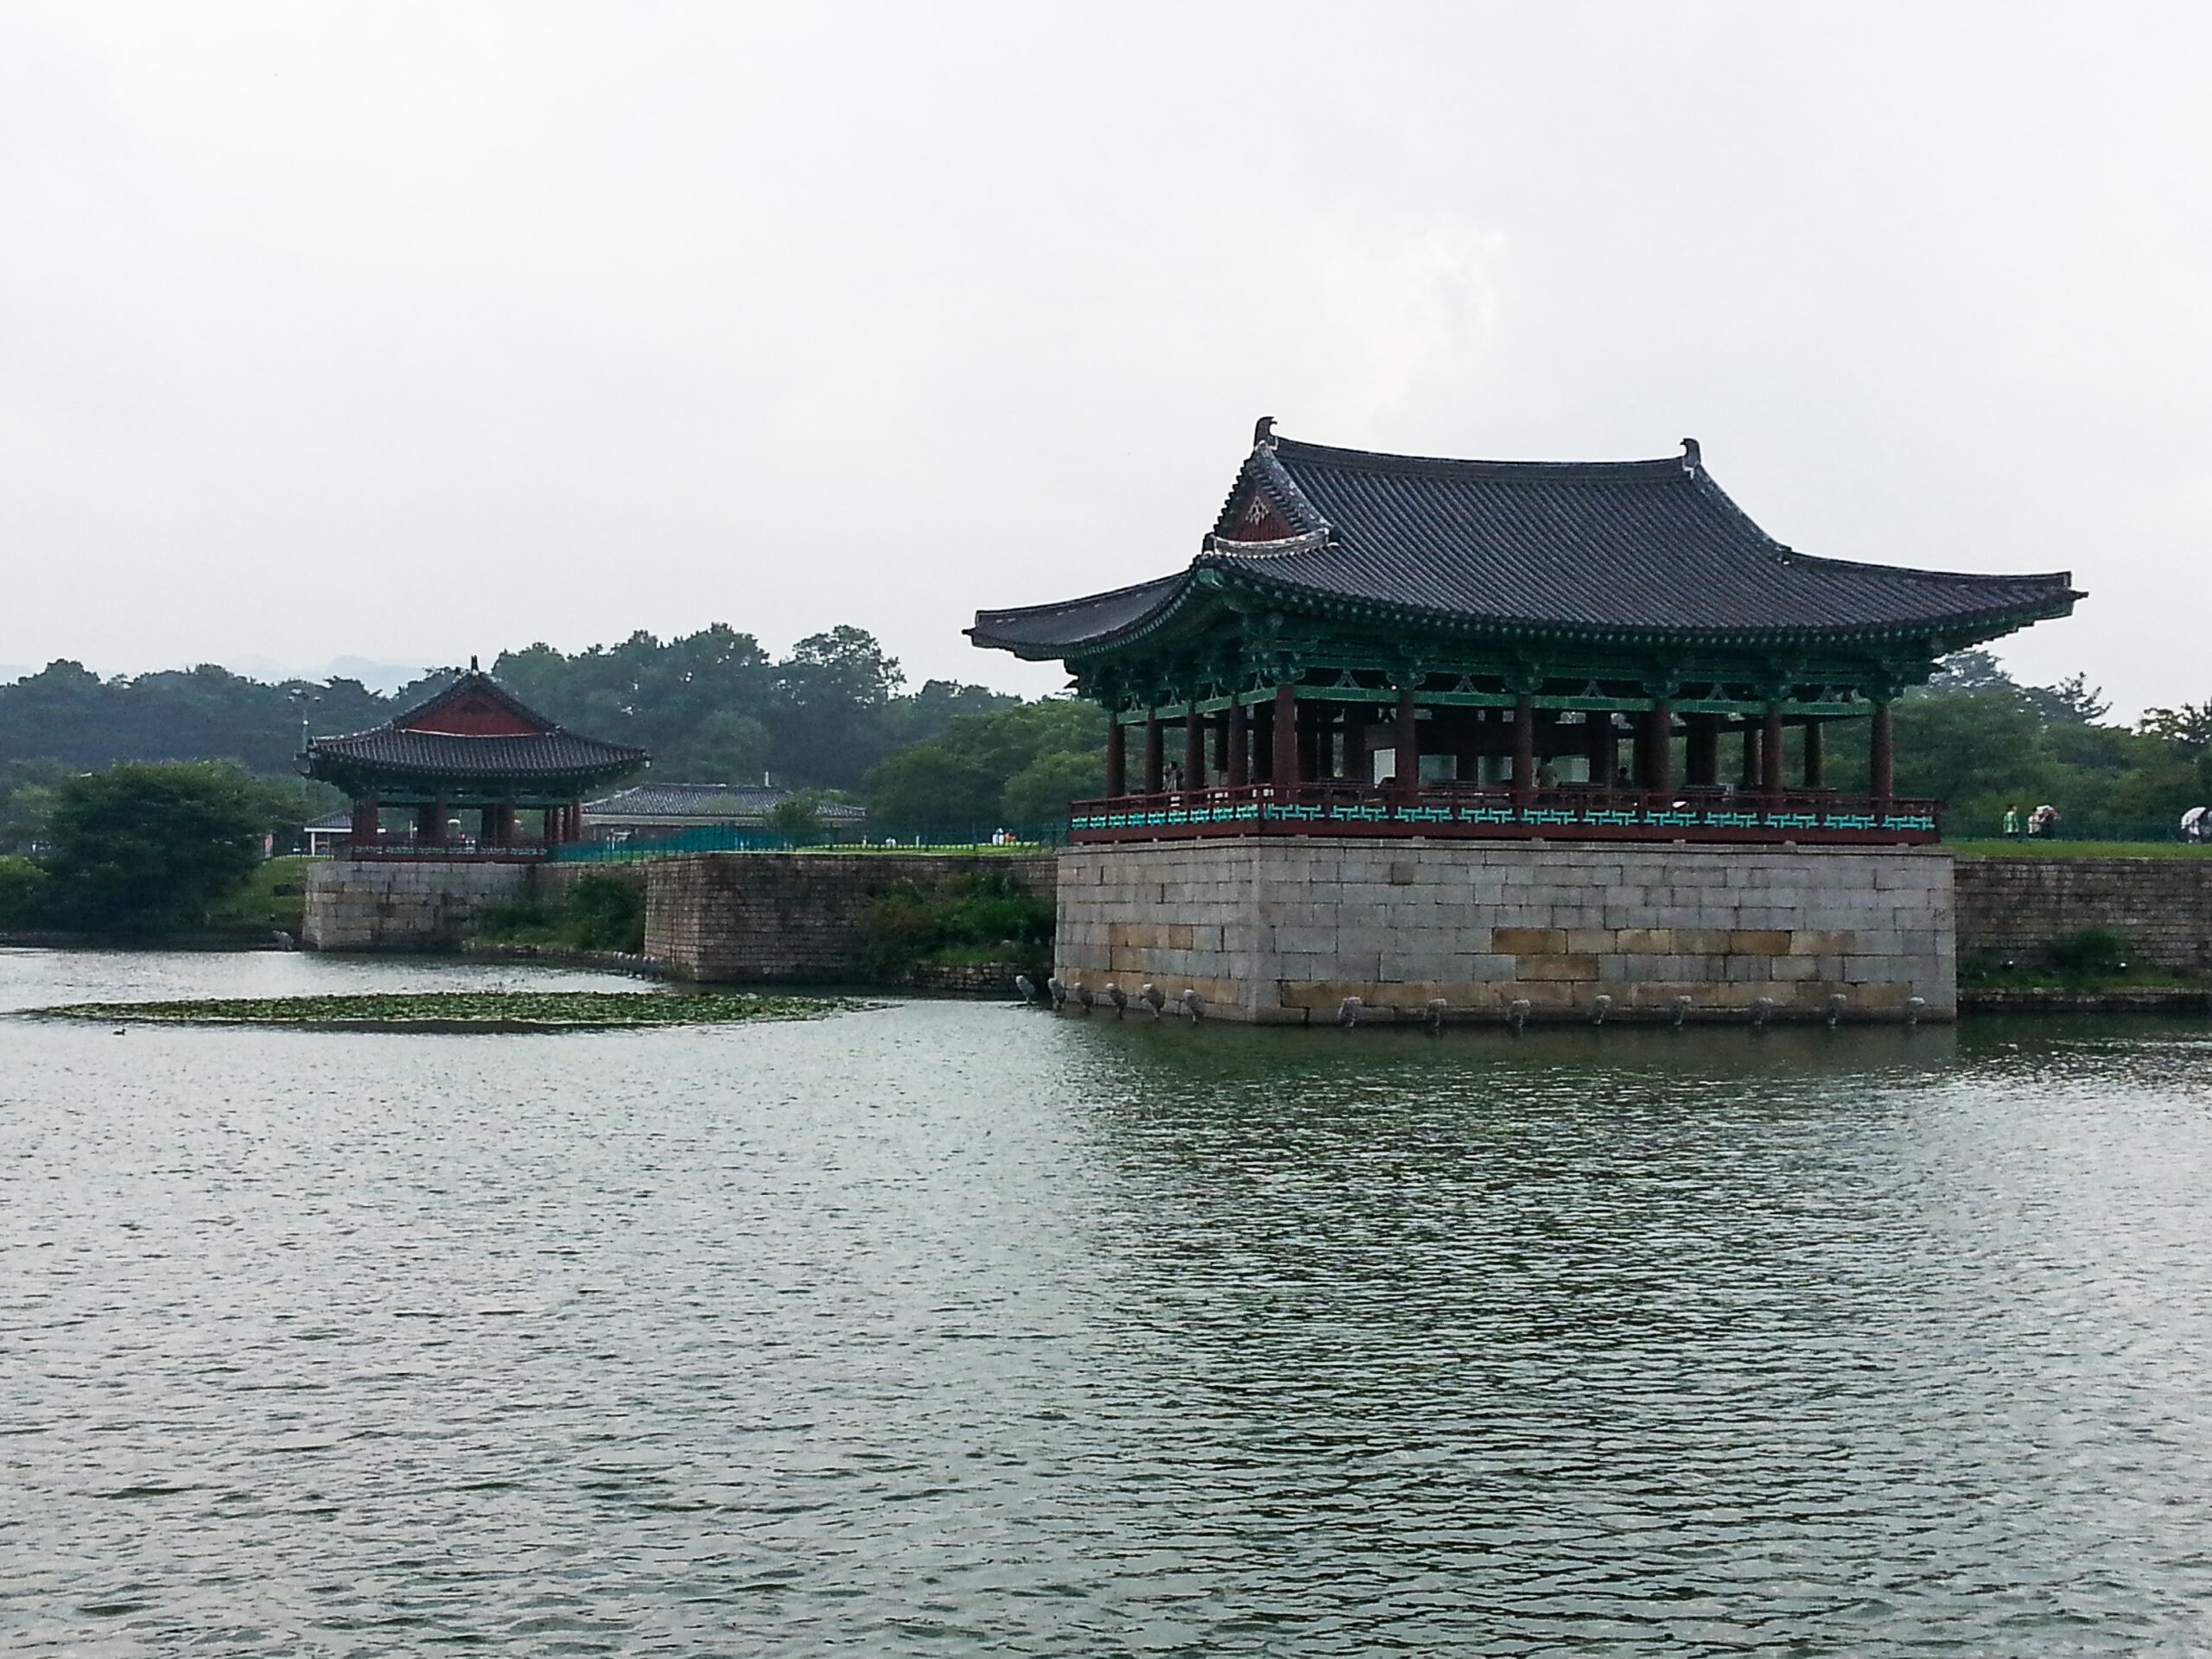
1659 748
1524 744
1155 765
1881 757
1356 766
1701 750
498 825
1194 748
364 831
1600 746
1770 750
1311 763
1218 741
550 827
1118 754
1813 758
1408 739
430 825
1286 737
1239 763
1752 771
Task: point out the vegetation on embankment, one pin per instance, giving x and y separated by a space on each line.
272 898
2091 961
968 919
599 911
487 1011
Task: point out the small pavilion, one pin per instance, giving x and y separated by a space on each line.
1388 644
474 746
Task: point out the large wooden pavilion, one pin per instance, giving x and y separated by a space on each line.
1390 645
474 746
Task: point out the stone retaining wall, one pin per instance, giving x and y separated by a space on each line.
2016 908
391 905
795 917
1284 929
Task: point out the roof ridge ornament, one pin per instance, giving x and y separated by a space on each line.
1304 542
1264 432
1693 457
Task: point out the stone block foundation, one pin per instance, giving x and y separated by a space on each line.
396 904
1282 931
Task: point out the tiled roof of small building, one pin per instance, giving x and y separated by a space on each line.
708 802
1595 547
494 736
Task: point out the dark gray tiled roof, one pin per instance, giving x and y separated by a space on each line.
543 751
1645 547
709 803
541 754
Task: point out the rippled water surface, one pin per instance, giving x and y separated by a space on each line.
949 1328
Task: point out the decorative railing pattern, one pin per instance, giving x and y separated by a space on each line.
1565 814
444 852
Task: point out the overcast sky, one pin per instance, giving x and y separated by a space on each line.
410 331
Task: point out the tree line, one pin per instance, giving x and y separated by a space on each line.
834 716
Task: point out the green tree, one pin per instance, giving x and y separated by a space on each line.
799 820
147 847
1011 765
23 882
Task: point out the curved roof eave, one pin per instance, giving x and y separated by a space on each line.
1294 597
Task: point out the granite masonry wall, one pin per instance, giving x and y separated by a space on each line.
391 905
733 917
2016 908
1281 931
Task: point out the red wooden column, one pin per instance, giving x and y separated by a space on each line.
1524 744
1155 767
1408 737
1239 763
1118 754
1814 767
1285 733
1881 754
364 831
430 825
1194 747
1752 771
1770 749
1659 748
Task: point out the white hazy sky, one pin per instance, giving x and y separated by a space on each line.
410 331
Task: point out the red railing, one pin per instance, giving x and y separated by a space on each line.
1566 812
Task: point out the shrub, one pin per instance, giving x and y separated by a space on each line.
2092 951
975 919
597 912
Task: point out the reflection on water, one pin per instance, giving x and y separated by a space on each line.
954 1328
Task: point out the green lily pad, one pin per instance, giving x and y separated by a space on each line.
471 1011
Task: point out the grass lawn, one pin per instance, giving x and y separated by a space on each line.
258 905
2025 848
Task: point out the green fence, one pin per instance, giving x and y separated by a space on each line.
725 838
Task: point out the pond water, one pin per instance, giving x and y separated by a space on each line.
951 1328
